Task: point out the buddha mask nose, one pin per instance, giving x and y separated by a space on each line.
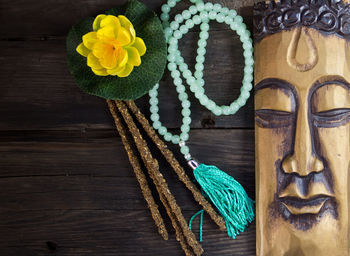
303 160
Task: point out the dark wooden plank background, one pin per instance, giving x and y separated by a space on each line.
66 187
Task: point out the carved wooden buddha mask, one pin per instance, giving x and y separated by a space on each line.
302 127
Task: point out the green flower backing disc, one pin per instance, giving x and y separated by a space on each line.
143 78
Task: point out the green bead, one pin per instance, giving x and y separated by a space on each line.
174 25
172 3
203 100
153 93
175 139
185 128
183 29
186 14
189 23
156 125
217 111
162 130
201 82
217 7
180 88
171 66
178 81
168 32
205 27
198 74
200 58
204 35
153 101
202 43
183 96
186 112
186 73
204 16
184 136
168 136
228 20
154 109
200 6
249 61
199 66
165 8
173 41
191 80
225 110
184 150
201 51
164 16
225 10
234 107
177 34
193 9
232 13
209 6
155 117
212 15
241 101
183 67
175 73
238 19
179 18
196 19
186 120
186 104
171 57
220 18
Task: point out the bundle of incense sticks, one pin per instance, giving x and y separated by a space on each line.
133 140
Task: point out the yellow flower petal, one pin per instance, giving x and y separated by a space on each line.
123 36
122 57
89 39
125 22
99 49
82 50
114 71
97 21
109 60
140 46
126 70
111 21
100 72
93 62
107 32
134 56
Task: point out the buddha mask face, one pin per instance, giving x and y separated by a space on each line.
302 124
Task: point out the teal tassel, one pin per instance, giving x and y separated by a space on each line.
228 196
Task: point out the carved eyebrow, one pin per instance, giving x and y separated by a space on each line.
326 80
276 83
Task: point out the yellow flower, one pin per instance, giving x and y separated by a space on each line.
112 48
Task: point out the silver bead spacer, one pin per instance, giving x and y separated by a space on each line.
182 143
193 164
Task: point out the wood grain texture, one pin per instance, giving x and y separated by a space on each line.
38 92
54 18
66 187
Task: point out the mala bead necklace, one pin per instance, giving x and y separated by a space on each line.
225 192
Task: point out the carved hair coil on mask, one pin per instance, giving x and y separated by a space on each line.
327 16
